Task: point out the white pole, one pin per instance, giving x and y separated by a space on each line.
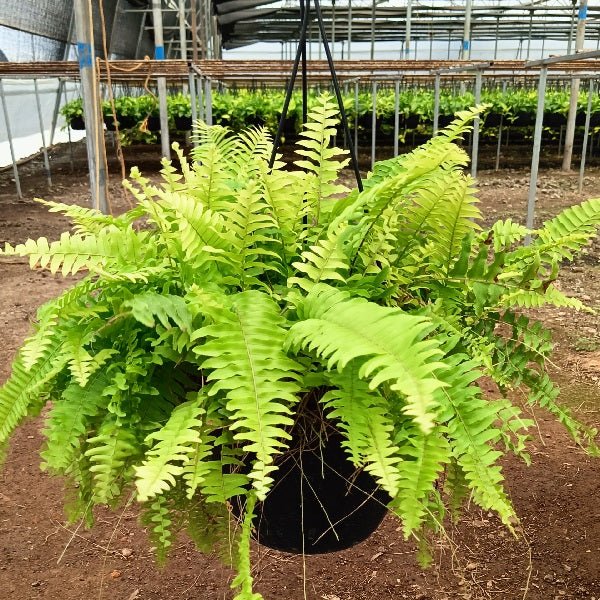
571 117
182 30
94 131
161 82
408 29
466 45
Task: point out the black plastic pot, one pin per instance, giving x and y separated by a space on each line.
552 119
183 123
153 123
523 119
77 123
492 119
318 502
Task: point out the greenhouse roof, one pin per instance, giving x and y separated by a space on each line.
42 29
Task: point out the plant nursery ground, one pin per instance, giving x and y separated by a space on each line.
557 553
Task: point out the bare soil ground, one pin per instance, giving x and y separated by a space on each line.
557 498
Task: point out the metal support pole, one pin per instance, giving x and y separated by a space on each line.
529 36
373 16
586 131
356 117
572 28
430 45
374 124
161 82
10 141
537 143
436 103
332 27
194 27
43 133
476 122
572 116
201 98
349 29
496 41
182 30
560 138
465 53
449 42
208 100
396 115
94 130
408 33
499 145
193 104
138 44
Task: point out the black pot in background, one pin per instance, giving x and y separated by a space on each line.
552 119
317 491
153 123
183 123
492 119
77 123
523 119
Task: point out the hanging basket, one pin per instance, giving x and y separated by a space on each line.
319 501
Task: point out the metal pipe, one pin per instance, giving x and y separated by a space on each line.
436 103
572 27
43 134
466 43
349 29
374 124
476 122
193 105
332 26
182 30
194 27
496 42
529 36
408 31
208 101
373 15
586 131
94 130
537 143
499 145
356 116
396 115
10 141
572 116
161 82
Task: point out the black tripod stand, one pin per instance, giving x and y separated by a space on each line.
301 57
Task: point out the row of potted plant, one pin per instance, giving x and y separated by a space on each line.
240 108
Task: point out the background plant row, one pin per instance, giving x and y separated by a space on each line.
240 108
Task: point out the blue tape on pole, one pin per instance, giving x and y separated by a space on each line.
84 51
159 53
583 12
466 44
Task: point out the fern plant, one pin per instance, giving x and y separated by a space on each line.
177 365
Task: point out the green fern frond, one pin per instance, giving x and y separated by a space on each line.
537 298
111 453
388 342
243 579
90 220
364 418
27 388
319 160
324 261
69 420
423 457
173 442
471 432
110 250
247 363
156 516
150 308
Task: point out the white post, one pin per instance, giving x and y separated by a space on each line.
161 82
182 30
465 53
408 29
571 117
94 131
349 29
